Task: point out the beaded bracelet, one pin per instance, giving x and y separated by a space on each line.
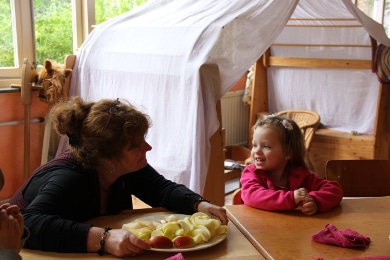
197 203
103 240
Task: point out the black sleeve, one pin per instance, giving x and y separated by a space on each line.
55 214
152 188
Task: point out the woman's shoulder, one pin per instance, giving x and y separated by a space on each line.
65 160
63 165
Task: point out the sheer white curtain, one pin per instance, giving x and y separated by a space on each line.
174 59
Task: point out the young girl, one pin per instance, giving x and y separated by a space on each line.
278 178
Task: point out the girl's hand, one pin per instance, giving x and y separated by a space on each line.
301 195
213 211
309 207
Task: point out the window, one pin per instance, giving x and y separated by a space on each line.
15 44
379 10
53 29
105 9
7 40
59 29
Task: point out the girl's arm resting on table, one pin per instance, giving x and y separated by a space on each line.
255 192
327 194
262 198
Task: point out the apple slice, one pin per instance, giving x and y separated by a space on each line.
183 242
160 242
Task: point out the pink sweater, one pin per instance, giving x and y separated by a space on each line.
259 191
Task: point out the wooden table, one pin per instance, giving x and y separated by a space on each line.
287 235
233 247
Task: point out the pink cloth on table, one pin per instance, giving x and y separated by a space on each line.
178 256
368 258
347 238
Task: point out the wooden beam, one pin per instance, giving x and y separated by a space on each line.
259 92
319 63
214 189
382 124
320 45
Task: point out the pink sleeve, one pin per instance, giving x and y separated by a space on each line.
258 191
328 194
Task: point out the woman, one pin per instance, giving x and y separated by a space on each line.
105 165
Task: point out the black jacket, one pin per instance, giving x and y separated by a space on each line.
60 196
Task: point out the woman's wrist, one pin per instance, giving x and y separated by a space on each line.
200 200
103 240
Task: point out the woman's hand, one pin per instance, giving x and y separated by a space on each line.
118 242
213 211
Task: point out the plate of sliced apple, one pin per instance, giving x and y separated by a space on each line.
178 232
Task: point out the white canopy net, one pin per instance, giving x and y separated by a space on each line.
174 59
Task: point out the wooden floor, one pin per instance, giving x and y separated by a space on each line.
230 186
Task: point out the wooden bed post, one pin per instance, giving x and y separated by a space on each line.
214 189
259 91
382 124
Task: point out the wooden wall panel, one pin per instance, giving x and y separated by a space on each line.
332 145
12 140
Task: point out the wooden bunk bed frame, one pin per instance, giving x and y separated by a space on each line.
328 144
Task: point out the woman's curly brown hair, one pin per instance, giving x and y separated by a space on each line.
99 129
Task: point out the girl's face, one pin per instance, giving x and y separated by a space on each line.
267 150
134 159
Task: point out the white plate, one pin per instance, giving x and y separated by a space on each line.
212 242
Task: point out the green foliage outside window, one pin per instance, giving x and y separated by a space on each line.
105 9
53 29
6 39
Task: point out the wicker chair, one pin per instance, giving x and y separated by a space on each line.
308 121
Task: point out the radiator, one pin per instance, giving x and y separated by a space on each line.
235 118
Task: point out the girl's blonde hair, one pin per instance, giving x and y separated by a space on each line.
99 129
290 136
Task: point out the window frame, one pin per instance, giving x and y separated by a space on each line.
23 41
83 19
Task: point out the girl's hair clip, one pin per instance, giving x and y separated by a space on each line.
287 124
269 116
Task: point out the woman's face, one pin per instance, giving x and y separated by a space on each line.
134 159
